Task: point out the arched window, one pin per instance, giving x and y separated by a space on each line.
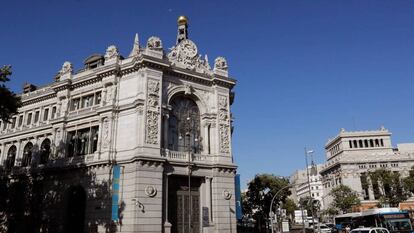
376 143
184 125
44 151
11 157
360 144
371 143
366 143
27 155
355 143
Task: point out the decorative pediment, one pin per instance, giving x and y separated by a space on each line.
185 55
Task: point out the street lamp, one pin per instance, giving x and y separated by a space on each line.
307 153
273 199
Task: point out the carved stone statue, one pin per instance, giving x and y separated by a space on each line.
67 68
220 64
111 53
154 43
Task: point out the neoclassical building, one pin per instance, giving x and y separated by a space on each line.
352 155
140 143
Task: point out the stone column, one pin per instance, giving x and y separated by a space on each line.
206 138
2 153
166 118
208 195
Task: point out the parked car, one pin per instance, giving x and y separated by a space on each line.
323 228
370 230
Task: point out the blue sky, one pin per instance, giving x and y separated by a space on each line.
305 69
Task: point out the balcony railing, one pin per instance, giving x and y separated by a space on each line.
183 156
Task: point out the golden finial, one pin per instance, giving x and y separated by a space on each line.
182 20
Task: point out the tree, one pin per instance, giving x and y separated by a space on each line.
310 205
9 102
388 187
260 193
344 198
408 182
290 207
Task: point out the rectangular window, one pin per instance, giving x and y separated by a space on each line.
83 141
29 119
20 120
74 104
87 101
53 112
36 119
13 122
46 114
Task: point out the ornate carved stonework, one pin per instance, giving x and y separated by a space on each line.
153 87
105 133
152 101
185 55
152 127
222 101
67 68
64 106
220 63
223 115
224 139
152 112
111 53
154 43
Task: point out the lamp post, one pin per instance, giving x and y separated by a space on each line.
307 153
273 199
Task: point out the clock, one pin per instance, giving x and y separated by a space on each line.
188 48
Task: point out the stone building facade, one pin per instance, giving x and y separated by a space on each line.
160 118
300 184
351 155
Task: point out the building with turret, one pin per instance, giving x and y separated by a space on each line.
136 143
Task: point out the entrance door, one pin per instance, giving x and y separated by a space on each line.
75 215
180 208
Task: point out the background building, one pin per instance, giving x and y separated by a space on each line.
300 183
352 155
140 143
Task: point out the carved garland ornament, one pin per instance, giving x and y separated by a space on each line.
224 139
152 127
152 112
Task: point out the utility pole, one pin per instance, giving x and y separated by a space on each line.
309 185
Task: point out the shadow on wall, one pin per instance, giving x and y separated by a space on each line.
47 198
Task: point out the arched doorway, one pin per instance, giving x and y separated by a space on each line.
27 155
44 151
75 211
184 125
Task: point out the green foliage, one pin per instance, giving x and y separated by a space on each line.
256 202
9 102
344 198
388 187
290 207
310 205
408 182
